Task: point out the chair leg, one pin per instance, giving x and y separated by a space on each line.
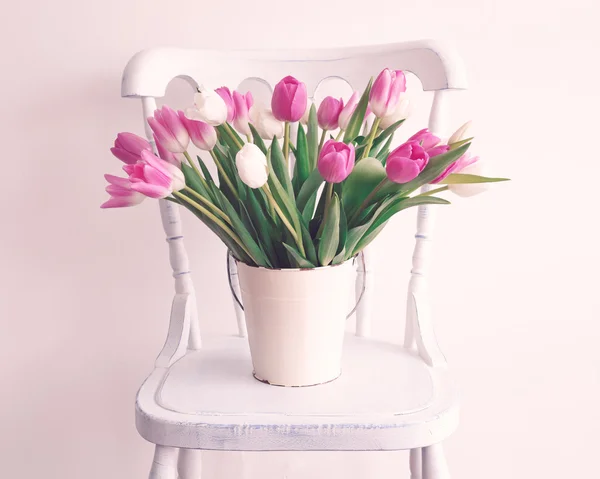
164 465
189 465
416 471
434 463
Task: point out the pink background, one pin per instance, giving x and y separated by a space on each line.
85 293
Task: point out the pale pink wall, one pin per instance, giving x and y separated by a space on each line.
85 293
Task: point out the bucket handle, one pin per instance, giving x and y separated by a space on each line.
362 292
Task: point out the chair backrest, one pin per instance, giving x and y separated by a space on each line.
149 72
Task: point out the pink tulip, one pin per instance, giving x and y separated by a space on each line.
173 158
169 130
348 111
225 93
243 103
438 150
128 147
202 134
426 139
154 177
386 90
458 165
336 161
121 193
406 162
289 99
328 113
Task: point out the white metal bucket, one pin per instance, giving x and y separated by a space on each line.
296 319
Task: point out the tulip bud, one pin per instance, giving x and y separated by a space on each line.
173 158
209 108
243 103
289 99
385 92
329 113
225 93
460 134
154 177
348 111
265 122
336 161
400 113
251 164
121 194
202 134
128 147
169 130
406 162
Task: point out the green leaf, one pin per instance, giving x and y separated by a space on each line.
436 166
385 151
300 260
286 203
343 231
458 144
302 166
230 137
357 118
365 176
309 188
463 178
280 167
312 138
339 258
330 237
385 135
204 169
193 181
396 205
309 208
223 236
240 229
258 141
263 226
309 247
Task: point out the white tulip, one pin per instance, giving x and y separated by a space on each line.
265 122
460 134
470 189
251 164
209 108
400 113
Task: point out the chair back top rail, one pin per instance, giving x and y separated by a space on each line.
149 72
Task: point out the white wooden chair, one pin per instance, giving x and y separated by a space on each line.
202 396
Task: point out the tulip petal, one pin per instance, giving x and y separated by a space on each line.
402 170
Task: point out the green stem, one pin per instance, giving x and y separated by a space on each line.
193 165
367 200
223 174
233 135
216 220
284 219
339 135
433 192
372 134
328 196
248 138
202 199
322 140
286 143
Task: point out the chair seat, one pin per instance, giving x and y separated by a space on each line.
387 398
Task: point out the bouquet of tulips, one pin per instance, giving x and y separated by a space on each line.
314 198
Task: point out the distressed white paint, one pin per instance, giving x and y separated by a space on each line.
388 397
